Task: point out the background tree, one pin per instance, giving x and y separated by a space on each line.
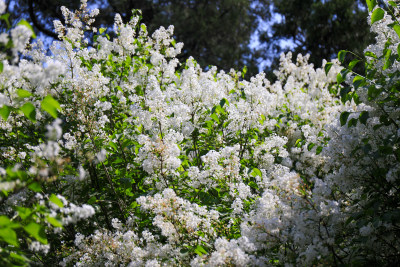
318 27
219 32
214 32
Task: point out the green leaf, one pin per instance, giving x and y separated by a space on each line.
393 4
26 24
244 71
319 150
371 4
50 105
352 122
36 231
223 102
5 112
29 111
377 15
364 117
18 257
256 172
353 63
92 200
35 187
388 62
23 212
342 55
4 221
113 145
215 117
398 50
298 143
53 221
358 81
396 28
9 236
344 93
53 198
327 67
1 67
200 250
23 93
339 78
343 117
5 18
101 30
370 54
310 146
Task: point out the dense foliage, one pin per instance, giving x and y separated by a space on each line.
119 154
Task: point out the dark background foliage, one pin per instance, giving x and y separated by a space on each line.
219 32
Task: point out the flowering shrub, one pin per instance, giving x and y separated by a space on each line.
119 154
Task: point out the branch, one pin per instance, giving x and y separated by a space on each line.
37 24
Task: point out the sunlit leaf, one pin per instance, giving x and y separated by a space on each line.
50 105
29 111
26 24
36 231
377 15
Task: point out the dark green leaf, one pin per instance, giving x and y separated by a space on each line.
223 102
364 117
398 50
92 200
339 78
319 150
377 15
310 146
352 122
327 67
5 18
342 55
344 92
358 81
343 117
